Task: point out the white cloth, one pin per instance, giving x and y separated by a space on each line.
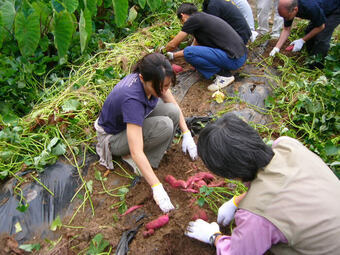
246 11
264 12
226 212
103 146
202 230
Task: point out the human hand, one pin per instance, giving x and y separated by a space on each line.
161 198
170 55
189 145
298 44
274 51
226 212
202 230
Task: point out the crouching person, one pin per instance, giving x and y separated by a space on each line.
292 204
138 122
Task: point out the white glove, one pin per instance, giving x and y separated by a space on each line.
170 55
189 145
298 44
161 198
274 51
202 230
226 212
253 36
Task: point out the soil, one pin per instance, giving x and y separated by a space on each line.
107 221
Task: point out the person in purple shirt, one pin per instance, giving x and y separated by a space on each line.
138 122
324 17
292 203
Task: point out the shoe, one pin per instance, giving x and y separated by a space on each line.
220 82
132 164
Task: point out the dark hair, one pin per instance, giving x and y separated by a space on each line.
186 8
205 5
155 67
232 149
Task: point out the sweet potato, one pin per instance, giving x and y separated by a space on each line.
190 190
205 176
157 223
200 214
131 209
200 184
149 232
216 184
290 48
177 69
175 183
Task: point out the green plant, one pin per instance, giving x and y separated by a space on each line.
97 245
216 196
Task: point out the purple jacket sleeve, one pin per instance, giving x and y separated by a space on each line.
253 235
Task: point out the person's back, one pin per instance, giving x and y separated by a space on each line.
229 12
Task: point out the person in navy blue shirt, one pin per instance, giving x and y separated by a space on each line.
324 16
138 122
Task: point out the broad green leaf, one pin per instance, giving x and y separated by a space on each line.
27 32
63 31
52 143
85 28
89 185
154 4
70 105
7 10
30 247
142 3
56 224
91 5
71 5
2 30
98 175
59 149
45 12
57 5
331 149
121 11
132 14
22 207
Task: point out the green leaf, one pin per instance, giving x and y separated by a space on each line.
2 30
85 28
154 4
27 32
59 149
142 3
30 247
89 185
71 5
70 105
63 31
132 14
121 11
22 207
52 143
91 5
57 5
45 12
200 201
98 175
56 224
331 149
7 10
97 245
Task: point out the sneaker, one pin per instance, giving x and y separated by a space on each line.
132 164
220 82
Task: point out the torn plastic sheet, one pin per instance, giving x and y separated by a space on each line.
196 123
61 179
127 236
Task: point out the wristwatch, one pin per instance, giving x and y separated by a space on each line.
213 238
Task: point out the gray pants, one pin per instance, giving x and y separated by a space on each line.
158 131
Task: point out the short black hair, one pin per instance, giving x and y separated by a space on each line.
155 67
186 8
232 149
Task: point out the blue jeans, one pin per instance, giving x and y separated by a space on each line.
209 61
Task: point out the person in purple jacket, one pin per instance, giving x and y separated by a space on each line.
138 122
292 203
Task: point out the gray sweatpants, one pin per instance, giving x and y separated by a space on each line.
158 131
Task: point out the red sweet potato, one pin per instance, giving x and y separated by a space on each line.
205 176
177 68
190 190
290 48
157 223
200 214
200 184
216 184
149 232
131 209
175 183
